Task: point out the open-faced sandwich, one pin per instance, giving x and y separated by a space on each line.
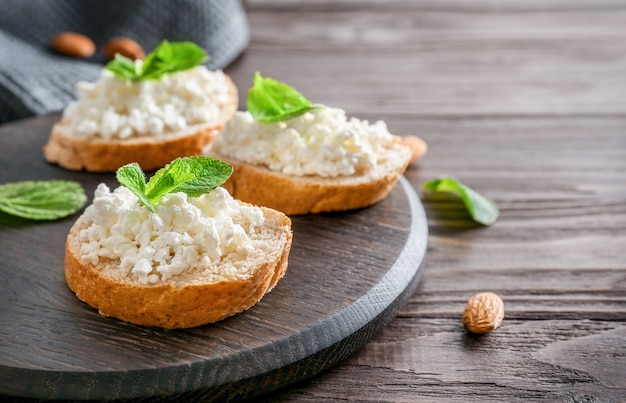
146 111
299 158
177 251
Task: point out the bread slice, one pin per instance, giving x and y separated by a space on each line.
100 155
189 299
297 195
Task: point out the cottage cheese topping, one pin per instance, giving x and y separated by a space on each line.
320 142
114 108
183 233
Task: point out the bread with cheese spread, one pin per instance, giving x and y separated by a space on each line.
298 195
150 152
191 298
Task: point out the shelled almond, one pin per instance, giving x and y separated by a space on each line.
73 44
483 313
125 47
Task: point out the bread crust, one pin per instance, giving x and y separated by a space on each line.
298 195
99 155
168 304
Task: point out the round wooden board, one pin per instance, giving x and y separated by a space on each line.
348 274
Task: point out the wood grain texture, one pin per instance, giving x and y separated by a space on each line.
524 101
334 298
444 57
556 256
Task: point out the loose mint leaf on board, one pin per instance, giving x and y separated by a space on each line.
42 200
480 208
271 101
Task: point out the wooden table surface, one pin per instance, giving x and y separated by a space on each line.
524 101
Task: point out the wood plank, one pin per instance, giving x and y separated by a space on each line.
420 59
452 366
555 256
254 6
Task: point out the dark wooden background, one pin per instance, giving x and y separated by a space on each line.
525 101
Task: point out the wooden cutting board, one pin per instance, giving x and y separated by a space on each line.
348 274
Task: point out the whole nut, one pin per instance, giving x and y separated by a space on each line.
417 145
125 47
483 313
73 44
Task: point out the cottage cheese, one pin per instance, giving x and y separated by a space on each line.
320 142
183 233
114 108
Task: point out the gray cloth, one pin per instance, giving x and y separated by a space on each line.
36 81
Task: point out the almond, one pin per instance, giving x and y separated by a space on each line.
125 47
73 44
483 313
417 145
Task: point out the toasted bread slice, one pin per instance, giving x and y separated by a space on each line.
297 195
193 298
100 155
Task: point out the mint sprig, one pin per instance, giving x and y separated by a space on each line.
193 176
42 200
168 57
271 101
480 208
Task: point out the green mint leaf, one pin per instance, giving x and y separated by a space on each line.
271 101
42 200
166 179
209 173
123 67
168 57
193 176
132 177
480 208
156 58
172 57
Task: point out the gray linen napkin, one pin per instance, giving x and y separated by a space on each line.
35 81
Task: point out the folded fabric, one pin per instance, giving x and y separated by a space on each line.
36 81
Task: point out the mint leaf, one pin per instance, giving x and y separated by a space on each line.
193 176
480 208
165 180
123 67
164 59
271 101
172 57
209 174
158 57
42 200
132 177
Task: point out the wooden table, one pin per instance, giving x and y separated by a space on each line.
525 102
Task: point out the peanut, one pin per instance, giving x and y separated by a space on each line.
483 313
73 44
125 47
417 145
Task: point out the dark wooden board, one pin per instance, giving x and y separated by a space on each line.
348 275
